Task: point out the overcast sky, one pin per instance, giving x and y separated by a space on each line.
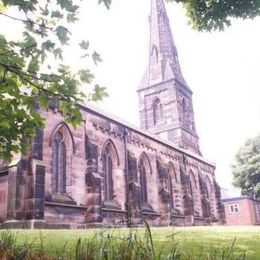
221 68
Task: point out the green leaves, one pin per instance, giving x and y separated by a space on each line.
99 93
34 65
56 14
25 86
72 114
86 76
2 7
107 3
209 15
62 34
72 18
246 171
48 45
96 57
84 45
58 53
68 5
29 42
17 124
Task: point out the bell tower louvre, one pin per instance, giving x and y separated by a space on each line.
165 99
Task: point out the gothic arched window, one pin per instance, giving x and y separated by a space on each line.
58 168
192 184
207 188
207 210
143 182
206 192
183 106
171 173
157 111
108 172
190 190
154 53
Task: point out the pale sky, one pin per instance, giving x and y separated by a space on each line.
221 68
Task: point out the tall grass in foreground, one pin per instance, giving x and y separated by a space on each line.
108 244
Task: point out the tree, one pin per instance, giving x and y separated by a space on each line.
246 171
29 75
28 64
208 15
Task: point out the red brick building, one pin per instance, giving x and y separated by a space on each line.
242 211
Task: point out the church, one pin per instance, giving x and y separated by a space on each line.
107 172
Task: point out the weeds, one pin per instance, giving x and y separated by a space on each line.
110 245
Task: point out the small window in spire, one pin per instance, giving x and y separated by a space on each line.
154 52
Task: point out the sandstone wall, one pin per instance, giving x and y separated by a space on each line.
176 180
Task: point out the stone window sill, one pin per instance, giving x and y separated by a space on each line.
113 210
47 203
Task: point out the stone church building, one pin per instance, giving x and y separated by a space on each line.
108 172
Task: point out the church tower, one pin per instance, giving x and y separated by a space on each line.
165 99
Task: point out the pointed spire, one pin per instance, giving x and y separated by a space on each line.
163 56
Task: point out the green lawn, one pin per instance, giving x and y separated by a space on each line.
190 242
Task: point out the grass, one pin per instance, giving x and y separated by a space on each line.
143 243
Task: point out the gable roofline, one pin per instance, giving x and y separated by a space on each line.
101 113
234 199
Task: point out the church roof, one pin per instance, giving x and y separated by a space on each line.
163 62
111 117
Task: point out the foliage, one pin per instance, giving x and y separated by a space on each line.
128 244
208 15
32 71
246 171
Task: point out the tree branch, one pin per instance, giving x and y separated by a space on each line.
48 92
15 69
26 21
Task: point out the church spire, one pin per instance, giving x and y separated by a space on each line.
165 99
163 56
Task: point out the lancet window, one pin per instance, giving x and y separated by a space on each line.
192 184
58 168
108 172
157 111
171 177
143 181
207 188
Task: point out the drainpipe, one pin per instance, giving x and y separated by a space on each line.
128 209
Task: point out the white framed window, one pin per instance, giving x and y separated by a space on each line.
234 208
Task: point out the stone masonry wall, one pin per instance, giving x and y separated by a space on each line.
85 204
